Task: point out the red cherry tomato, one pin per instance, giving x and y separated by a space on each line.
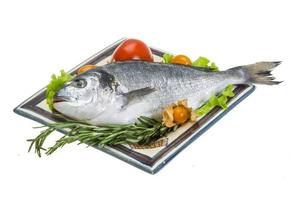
132 49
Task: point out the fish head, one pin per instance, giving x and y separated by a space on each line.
86 96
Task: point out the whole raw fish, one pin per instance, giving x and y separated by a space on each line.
119 93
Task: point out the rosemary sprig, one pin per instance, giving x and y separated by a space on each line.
145 131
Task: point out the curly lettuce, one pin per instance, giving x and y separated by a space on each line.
167 58
55 84
205 63
216 101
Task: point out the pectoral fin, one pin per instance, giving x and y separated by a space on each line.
136 95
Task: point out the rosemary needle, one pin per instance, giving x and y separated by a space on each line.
145 131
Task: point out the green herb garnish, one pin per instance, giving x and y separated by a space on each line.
167 58
55 84
146 131
220 101
205 63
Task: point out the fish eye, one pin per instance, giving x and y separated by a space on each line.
79 83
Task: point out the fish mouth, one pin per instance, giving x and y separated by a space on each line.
59 99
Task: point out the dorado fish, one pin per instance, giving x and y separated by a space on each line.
119 93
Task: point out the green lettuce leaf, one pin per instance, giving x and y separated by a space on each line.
216 101
228 91
205 63
167 58
55 84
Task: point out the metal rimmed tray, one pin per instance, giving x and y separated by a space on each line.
151 158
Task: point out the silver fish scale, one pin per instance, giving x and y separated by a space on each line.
172 82
136 75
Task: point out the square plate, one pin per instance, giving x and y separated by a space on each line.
149 158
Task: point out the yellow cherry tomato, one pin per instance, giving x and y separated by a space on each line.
85 68
181 59
180 114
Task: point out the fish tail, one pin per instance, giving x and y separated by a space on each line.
259 73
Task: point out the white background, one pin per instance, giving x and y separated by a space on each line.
252 153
